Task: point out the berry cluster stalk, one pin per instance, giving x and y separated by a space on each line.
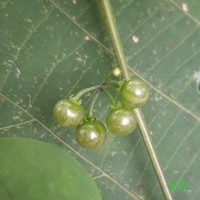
95 97
84 91
108 17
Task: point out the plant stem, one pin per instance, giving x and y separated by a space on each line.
94 99
107 13
110 97
108 17
85 91
152 154
95 87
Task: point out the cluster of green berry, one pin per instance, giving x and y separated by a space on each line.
121 120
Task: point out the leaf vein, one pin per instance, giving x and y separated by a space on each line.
23 44
18 124
186 13
80 27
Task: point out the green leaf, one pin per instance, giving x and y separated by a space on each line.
52 49
31 169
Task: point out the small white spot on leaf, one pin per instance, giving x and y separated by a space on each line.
30 101
86 38
184 7
28 20
18 73
15 118
135 39
79 59
196 77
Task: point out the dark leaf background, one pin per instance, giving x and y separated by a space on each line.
52 49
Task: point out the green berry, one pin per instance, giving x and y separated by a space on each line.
68 113
134 93
121 121
91 134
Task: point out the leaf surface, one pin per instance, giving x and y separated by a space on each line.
52 49
31 169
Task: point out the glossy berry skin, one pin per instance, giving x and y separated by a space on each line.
91 134
68 113
134 93
121 121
